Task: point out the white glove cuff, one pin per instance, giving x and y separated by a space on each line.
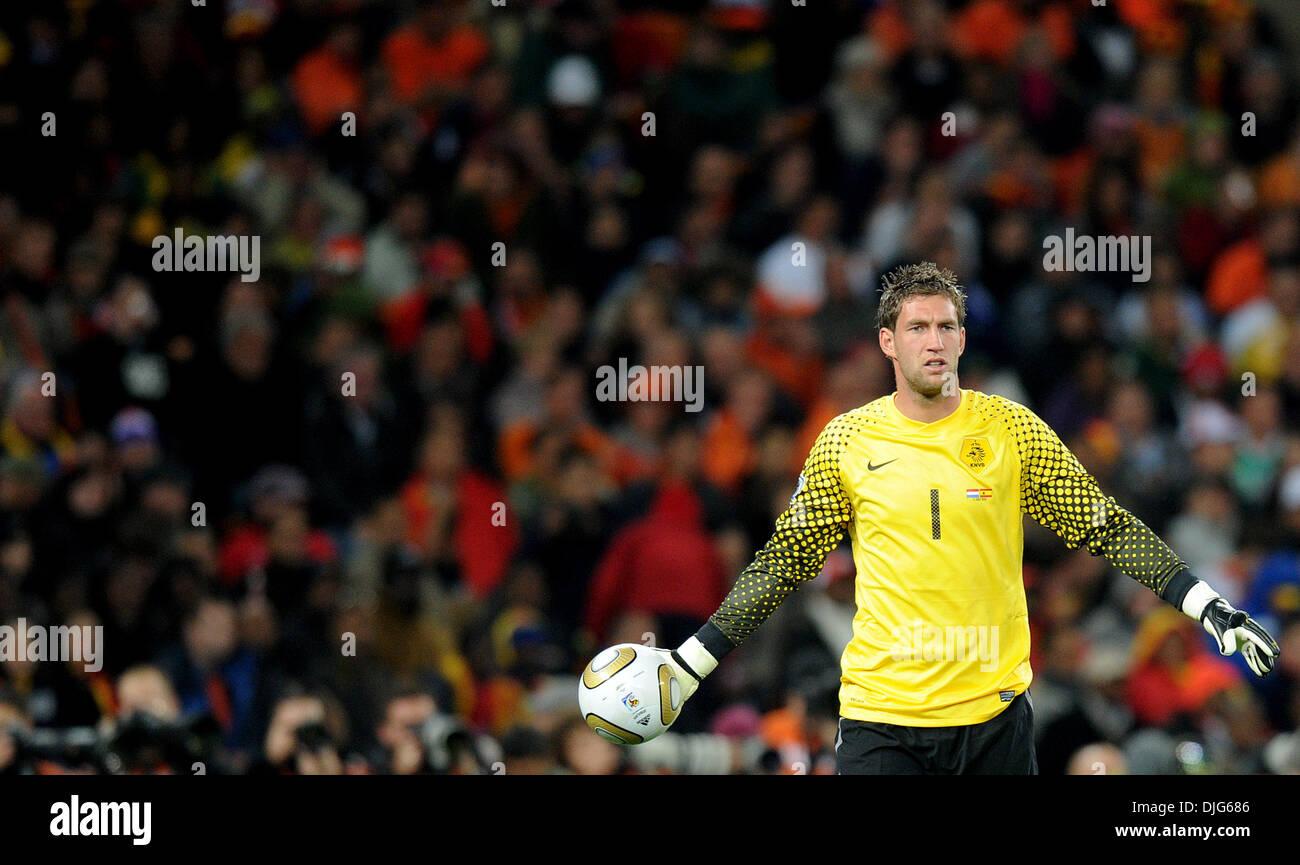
698 657
1198 598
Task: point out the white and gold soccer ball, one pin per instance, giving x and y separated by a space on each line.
629 694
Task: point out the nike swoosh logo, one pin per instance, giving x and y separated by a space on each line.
872 468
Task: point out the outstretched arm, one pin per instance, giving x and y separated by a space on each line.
814 524
1060 494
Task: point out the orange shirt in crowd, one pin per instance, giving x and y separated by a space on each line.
1157 23
991 30
325 86
515 451
413 62
728 453
483 545
1239 275
1279 182
800 377
986 29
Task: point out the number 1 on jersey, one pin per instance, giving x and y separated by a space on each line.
934 513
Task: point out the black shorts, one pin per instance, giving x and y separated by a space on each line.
999 746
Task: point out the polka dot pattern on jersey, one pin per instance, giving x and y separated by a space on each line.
1061 495
814 524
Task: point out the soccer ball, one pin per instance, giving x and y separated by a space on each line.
628 695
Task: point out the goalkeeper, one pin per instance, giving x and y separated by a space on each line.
929 483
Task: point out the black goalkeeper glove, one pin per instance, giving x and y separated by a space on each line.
1233 629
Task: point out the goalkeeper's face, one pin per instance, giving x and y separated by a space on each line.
925 344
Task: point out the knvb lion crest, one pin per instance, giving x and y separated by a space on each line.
975 453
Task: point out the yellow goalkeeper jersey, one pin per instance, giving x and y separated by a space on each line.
933 512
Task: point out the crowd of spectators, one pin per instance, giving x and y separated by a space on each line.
366 513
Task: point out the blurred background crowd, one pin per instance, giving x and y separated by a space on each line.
407 575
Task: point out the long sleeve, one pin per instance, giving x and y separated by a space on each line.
1062 496
812 525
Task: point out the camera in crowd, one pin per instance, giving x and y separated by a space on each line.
138 744
452 749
